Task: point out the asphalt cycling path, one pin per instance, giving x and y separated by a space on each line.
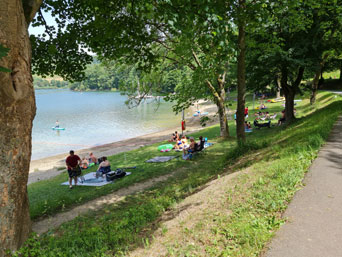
314 226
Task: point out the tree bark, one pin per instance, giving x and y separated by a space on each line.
315 81
17 110
224 130
278 82
290 92
241 81
219 98
314 86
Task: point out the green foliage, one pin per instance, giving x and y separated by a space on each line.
3 53
41 83
204 120
99 77
296 34
160 39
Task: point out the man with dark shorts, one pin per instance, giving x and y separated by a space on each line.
72 161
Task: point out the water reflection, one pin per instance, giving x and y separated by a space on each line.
92 118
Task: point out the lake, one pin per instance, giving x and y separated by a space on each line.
91 119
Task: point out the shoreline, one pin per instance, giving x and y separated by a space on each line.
48 167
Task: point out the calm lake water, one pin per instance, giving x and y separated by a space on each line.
91 119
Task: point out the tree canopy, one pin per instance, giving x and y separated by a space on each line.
190 47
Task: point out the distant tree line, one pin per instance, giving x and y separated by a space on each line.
40 83
110 76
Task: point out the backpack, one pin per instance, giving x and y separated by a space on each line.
118 173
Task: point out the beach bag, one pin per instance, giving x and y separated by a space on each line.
118 173
77 171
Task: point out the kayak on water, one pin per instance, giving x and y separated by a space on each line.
54 128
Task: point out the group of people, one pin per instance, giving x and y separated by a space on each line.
193 147
262 106
175 137
75 165
87 162
182 143
265 116
248 126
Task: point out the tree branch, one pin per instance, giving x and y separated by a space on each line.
189 64
196 58
212 89
299 76
31 7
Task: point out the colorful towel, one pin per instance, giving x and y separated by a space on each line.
162 158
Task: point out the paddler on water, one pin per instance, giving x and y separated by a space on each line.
57 124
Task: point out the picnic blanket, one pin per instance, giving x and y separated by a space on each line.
206 144
162 158
90 180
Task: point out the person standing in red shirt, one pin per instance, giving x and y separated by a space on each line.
72 162
246 112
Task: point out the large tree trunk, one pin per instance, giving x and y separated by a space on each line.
17 110
290 92
289 95
278 83
241 81
219 98
224 130
315 81
314 86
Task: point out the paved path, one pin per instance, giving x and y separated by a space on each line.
314 226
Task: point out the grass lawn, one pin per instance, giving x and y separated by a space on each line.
255 209
49 197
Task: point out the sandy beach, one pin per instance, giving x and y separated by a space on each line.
52 166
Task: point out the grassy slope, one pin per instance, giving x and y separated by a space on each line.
48 197
118 228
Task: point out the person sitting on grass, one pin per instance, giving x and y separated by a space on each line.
267 116
200 144
178 145
92 158
282 120
84 163
185 141
103 168
192 146
248 127
175 137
